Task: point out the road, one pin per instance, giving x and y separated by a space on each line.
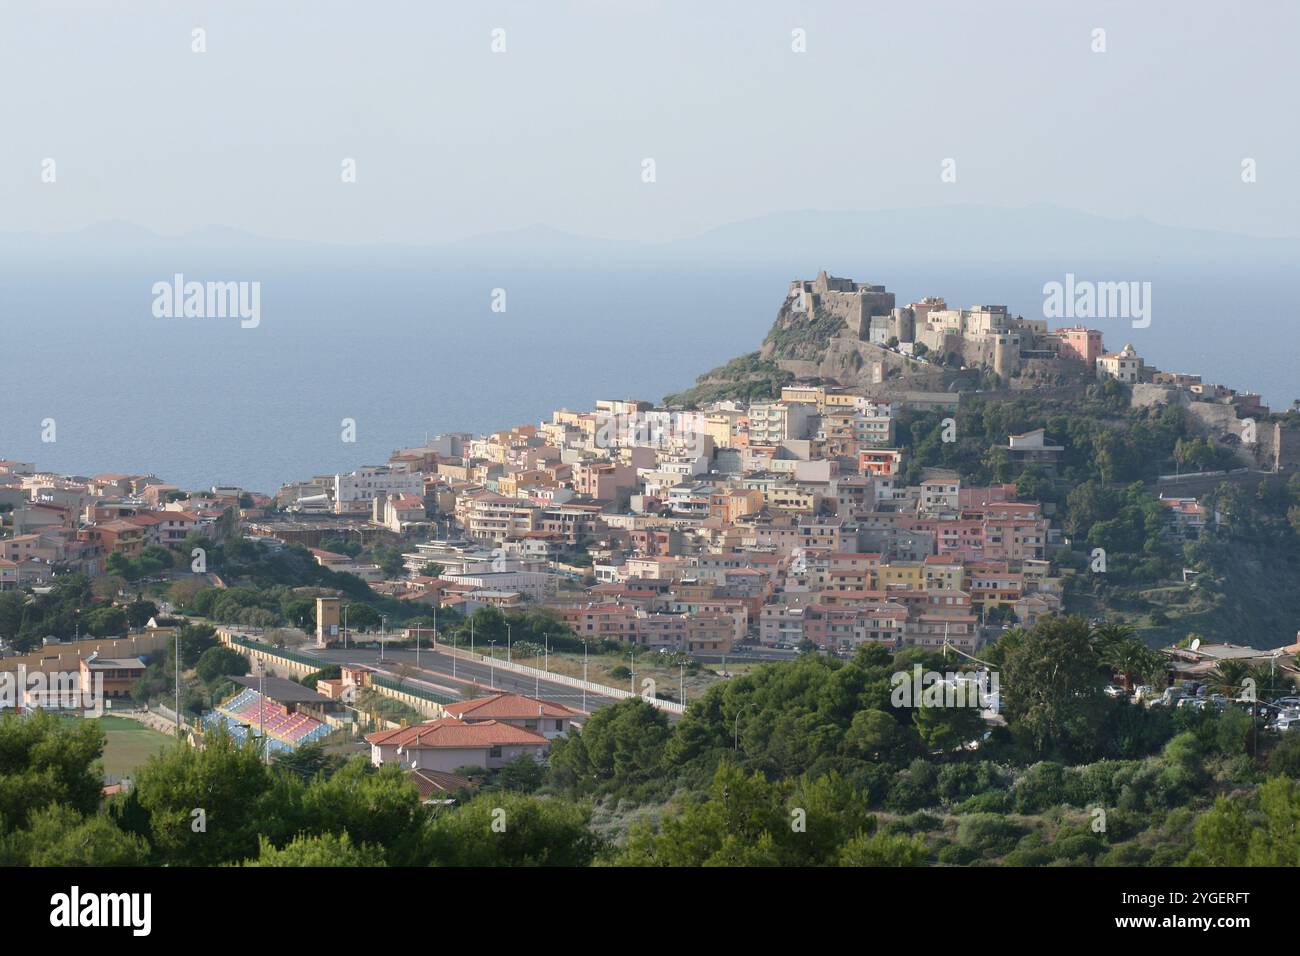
436 666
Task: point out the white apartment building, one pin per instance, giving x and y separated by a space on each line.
771 423
1124 365
356 491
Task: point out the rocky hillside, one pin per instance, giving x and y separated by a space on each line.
818 348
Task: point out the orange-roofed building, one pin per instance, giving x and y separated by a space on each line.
531 713
448 743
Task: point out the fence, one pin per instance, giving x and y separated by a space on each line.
671 706
290 660
424 699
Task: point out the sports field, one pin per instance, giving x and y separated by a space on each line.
128 744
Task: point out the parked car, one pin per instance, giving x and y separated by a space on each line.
1113 690
1287 720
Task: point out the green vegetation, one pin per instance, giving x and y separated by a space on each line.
265 588
216 663
222 805
148 562
747 378
1104 440
70 606
1245 580
800 338
159 679
128 744
810 762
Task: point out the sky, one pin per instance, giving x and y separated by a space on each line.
451 139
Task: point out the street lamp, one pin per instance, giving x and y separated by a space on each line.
261 708
383 633
492 660
584 675
507 642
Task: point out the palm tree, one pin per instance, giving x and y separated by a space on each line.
1106 636
1130 658
1229 676
1269 681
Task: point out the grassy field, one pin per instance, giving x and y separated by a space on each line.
128 745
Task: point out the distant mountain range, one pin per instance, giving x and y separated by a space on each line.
967 233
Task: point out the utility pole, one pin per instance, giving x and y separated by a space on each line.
178 682
507 642
261 709
492 664
584 675
345 626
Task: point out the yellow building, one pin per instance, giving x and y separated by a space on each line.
908 574
944 572
805 394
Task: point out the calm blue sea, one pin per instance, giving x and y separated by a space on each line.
407 346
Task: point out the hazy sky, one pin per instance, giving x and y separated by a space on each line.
451 139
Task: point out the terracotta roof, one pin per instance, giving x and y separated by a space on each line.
435 783
509 707
322 553
942 559
450 732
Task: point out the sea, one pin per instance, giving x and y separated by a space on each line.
408 345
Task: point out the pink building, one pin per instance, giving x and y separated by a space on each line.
1080 343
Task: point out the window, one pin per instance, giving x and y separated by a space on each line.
494 752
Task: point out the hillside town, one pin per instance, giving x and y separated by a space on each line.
780 523
467 614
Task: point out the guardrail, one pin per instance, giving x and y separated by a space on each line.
414 690
671 706
297 657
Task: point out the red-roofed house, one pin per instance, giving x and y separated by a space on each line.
396 511
448 743
541 716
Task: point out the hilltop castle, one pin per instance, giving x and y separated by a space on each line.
981 336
